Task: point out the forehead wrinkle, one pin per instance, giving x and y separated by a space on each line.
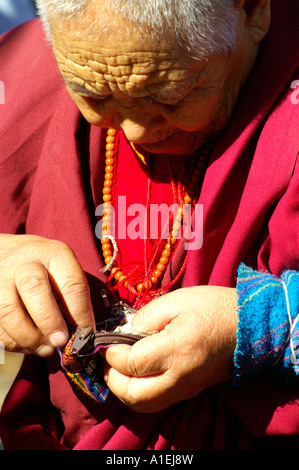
132 57
132 74
109 57
106 84
70 67
143 60
142 66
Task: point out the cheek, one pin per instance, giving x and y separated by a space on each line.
198 112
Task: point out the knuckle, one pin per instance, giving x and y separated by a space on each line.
31 283
46 322
61 248
7 343
7 310
132 364
73 287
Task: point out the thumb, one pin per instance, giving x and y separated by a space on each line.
154 316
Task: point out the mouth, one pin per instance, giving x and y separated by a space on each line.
158 146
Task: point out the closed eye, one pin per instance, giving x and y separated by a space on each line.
89 94
83 91
164 97
166 102
92 95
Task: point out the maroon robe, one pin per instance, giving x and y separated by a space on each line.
51 174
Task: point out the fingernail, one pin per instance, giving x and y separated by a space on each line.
58 339
44 351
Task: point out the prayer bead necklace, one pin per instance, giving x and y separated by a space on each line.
158 271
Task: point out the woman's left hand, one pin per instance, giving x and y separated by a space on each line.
192 350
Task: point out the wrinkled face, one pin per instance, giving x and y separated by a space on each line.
163 100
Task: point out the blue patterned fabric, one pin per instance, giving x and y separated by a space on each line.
268 331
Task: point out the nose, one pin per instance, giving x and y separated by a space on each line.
140 123
143 130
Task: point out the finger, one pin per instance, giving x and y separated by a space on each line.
8 344
34 288
71 286
149 356
154 316
19 331
142 394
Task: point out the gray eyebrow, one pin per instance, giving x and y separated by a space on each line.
81 89
163 93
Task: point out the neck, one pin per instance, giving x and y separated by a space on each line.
159 163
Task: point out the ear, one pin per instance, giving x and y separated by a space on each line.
258 17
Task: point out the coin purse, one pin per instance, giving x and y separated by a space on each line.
80 359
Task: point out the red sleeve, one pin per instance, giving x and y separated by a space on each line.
31 84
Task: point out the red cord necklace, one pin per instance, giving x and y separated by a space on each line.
146 286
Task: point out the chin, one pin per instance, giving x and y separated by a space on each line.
178 144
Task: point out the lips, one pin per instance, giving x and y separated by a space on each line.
156 144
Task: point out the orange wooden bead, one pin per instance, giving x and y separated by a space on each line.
109 176
164 260
109 139
105 233
110 147
108 183
107 197
176 229
118 275
108 213
109 154
106 246
107 190
161 267
154 280
105 240
109 169
166 253
106 227
144 286
158 273
178 218
110 161
187 199
176 225
111 131
108 259
107 253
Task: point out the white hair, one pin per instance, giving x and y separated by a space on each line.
202 27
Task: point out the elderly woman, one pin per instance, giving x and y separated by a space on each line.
192 105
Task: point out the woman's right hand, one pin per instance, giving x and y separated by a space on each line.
42 290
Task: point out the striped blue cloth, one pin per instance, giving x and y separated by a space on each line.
268 331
